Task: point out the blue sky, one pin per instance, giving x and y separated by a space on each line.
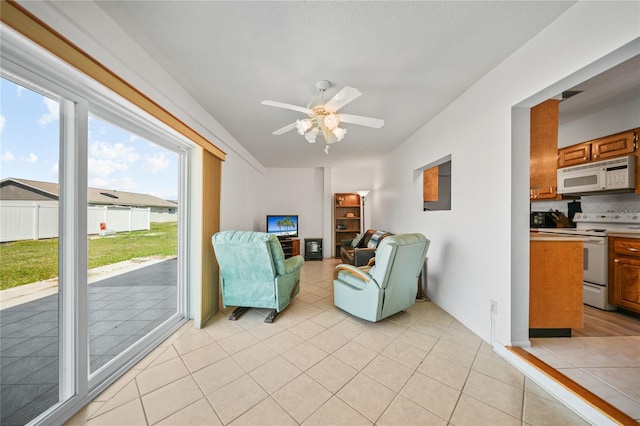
117 159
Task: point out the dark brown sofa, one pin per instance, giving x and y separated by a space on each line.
361 253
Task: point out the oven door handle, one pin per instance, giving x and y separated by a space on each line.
598 240
592 285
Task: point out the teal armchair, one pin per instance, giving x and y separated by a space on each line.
388 287
254 272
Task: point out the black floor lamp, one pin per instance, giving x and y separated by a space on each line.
363 196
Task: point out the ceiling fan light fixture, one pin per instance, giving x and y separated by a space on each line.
311 135
339 133
303 125
323 116
331 121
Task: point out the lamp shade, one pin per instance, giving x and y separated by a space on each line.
303 125
331 121
363 193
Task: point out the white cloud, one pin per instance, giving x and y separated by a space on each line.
32 158
115 151
155 163
54 170
99 168
2 120
121 184
7 156
52 114
19 90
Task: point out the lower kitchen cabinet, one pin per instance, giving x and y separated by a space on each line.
555 286
624 273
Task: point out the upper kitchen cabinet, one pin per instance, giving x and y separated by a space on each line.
623 143
574 154
614 146
544 150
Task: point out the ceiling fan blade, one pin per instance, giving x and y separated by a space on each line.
363 121
340 99
285 129
286 106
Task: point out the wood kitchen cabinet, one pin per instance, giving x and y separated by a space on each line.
574 154
555 286
543 180
614 146
430 184
617 145
624 273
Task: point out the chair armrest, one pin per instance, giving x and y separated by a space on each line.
353 270
293 263
362 255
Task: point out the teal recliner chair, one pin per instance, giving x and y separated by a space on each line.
388 287
254 272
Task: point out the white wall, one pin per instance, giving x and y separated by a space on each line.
243 195
618 118
296 191
470 259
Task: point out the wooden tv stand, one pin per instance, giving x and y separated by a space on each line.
290 246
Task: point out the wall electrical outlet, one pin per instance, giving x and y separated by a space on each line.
493 307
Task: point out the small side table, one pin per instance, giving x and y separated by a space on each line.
313 249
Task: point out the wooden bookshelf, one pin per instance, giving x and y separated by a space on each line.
347 215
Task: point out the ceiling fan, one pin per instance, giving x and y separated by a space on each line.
324 117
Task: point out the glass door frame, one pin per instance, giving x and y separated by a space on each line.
27 64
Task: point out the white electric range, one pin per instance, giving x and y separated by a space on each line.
597 226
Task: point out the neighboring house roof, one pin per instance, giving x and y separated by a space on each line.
25 189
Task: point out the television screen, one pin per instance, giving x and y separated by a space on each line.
282 225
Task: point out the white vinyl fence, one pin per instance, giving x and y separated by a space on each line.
27 220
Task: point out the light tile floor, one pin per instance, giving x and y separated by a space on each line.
607 366
317 365
123 308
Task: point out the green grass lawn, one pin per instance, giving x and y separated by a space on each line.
24 262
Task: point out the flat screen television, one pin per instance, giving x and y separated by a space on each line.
284 226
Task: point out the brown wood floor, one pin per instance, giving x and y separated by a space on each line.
598 323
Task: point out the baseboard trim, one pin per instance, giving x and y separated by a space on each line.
580 391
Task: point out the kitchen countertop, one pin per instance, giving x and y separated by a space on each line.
631 233
539 236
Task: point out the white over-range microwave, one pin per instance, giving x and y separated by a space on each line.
617 174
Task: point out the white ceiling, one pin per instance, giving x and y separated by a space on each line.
409 59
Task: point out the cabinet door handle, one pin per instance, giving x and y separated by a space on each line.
616 260
633 249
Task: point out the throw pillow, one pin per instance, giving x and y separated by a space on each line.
375 238
356 240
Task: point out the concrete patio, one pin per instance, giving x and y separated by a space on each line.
123 307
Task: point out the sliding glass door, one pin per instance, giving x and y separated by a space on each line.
132 222
92 233
29 287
